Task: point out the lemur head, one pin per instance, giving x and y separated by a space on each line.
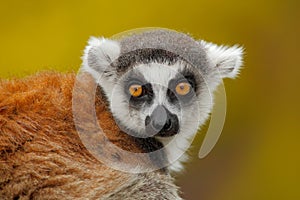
159 83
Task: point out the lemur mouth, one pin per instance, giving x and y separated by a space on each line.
162 123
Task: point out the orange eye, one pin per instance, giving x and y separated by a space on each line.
136 90
183 88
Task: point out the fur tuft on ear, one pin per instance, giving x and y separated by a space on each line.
227 60
98 55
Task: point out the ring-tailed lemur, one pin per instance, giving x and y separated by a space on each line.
159 83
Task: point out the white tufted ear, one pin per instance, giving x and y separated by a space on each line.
228 60
97 59
98 55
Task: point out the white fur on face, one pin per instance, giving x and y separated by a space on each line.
159 75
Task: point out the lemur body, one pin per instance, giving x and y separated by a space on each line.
42 156
153 92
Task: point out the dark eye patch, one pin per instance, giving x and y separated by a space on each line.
190 77
147 95
185 76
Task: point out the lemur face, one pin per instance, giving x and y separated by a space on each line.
159 100
159 83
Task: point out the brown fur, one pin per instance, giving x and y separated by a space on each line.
42 157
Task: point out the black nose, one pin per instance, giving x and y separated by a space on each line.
162 122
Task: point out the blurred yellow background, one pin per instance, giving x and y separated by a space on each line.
257 156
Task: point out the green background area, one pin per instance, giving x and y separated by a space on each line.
257 156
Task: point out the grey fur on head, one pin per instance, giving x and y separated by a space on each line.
171 41
212 60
